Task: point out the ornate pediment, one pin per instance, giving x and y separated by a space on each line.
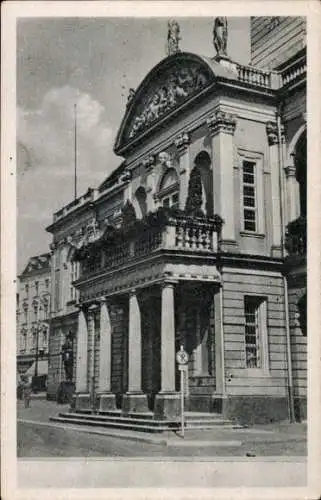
173 82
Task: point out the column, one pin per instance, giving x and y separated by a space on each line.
219 344
167 404
91 350
292 194
274 154
106 399
182 144
222 127
134 400
81 399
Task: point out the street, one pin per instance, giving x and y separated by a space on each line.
49 441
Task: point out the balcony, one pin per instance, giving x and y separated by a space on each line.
296 238
157 233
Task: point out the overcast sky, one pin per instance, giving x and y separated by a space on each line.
91 62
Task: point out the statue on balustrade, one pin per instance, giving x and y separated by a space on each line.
173 37
220 35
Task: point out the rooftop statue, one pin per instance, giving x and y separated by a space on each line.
173 37
220 35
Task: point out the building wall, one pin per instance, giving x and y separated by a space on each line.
276 39
254 393
38 285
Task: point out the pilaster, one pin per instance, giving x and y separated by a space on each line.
91 348
292 192
182 142
274 154
148 164
222 126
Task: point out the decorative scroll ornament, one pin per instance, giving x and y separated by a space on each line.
220 33
272 133
173 38
221 122
182 141
176 86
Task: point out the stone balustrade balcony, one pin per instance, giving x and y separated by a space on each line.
184 235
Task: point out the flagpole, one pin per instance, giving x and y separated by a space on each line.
75 146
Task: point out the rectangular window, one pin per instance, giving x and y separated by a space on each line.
73 277
249 196
256 355
47 283
27 289
37 287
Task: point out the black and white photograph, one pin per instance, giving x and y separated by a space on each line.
161 250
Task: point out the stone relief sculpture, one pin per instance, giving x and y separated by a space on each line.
176 87
173 37
220 35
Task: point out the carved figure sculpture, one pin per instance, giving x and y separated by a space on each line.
173 37
220 35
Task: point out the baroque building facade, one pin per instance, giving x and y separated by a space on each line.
197 240
33 314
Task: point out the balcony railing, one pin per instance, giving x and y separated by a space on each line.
185 234
296 237
254 76
294 71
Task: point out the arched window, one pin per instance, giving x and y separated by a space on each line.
140 196
203 163
169 189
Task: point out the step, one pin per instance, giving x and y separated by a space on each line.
111 425
123 419
210 422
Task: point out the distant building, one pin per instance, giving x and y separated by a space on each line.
197 239
33 315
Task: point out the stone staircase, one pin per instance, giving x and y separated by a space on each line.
143 422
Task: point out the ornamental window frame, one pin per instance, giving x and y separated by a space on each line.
255 320
245 158
169 196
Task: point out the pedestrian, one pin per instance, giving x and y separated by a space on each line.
27 391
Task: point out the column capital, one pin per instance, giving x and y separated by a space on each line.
169 283
272 133
149 161
182 142
290 171
221 121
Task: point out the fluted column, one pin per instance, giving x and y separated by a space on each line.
273 141
91 347
134 400
182 144
222 127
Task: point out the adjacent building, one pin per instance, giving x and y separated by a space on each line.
33 316
197 239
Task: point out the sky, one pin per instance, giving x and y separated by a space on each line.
91 62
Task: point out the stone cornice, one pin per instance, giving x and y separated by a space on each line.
220 121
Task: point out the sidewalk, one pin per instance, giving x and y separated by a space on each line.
257 440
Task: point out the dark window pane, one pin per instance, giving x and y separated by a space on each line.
249 226
249 215
248 191
248 179
249 202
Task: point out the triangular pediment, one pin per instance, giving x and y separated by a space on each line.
169 85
